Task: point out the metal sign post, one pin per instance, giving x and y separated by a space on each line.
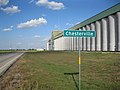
79 33
79 69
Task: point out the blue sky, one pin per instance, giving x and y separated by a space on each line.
29 23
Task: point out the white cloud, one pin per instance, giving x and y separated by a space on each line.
19 43
45 39
77 23
12 9
8 29
3 2
51 5
31 1
69 24
32 23
43 15
56 26
36 36
11 26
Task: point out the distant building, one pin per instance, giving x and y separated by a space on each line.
40 49
50 43
107 27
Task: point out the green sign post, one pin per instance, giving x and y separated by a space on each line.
79 33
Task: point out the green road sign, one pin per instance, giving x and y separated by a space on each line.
79 33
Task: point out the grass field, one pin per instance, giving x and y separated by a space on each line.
45 71
6 51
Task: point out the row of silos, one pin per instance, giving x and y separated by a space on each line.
107 27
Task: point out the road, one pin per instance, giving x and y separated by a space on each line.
6 60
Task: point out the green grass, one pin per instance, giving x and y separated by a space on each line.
6 51
100 71
45 71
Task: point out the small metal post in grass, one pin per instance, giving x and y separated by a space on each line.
79 69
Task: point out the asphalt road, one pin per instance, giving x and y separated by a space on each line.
6 60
